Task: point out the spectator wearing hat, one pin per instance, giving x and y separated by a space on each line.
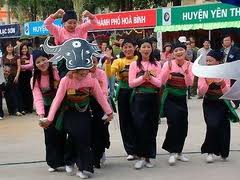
69 30
166 54
177 77
231 54
217 112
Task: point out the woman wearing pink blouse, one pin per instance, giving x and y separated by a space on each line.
144 77
217 112
26 97
44 86
177 76
100 133
73 95
70 29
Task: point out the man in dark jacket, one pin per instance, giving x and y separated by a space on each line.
231 53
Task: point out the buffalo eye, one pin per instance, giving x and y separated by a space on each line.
76 44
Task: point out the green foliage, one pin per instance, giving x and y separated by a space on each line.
32 10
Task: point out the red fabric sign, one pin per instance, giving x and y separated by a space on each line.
127 19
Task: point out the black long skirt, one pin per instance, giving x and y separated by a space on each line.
145 121
55 145
217 139
100 133
176 112
78 127
26 97
126 120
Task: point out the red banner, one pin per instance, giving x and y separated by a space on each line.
127 19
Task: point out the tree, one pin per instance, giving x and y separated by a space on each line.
32 10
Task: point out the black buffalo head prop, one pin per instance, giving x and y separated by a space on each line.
77 52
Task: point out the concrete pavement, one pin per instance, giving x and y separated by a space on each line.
22 153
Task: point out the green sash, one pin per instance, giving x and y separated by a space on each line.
64 106
121 84
143 89
232 115
173 91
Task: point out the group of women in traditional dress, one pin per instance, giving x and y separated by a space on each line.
75 112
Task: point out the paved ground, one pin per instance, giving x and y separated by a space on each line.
22 154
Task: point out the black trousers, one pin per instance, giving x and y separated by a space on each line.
176 112
126 121
1 102
25 92
78 127
146 116
217 139
10 95
100 134
55 145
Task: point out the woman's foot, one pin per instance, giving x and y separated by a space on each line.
131 157
182 158
18 114
209 158
23 112
82 175
103 159
148 163
139 164
172 159
51 169
69 168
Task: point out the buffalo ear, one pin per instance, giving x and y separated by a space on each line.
50 49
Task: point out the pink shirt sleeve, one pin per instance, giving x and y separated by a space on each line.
188 77
132 80
226 87
38 98
58 98
56 74
86 26
28 66
102 100
104 86
165 72
202 86
52 28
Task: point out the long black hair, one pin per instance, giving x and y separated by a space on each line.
151 58
37 72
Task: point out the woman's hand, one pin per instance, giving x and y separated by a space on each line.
58 14
186 71
209 81
15 81
147 76
44 123
86 13
109 118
